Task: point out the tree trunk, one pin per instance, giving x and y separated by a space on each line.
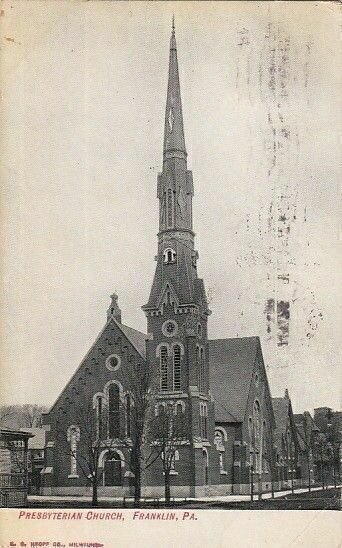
137 485
167 488
94 497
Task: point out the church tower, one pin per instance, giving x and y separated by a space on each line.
177 310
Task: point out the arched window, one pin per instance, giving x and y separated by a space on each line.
73 437
256 417
99 416
128 414
176 368
179 409
163 368
257 434
218 440
169 208
264 446
198 367
204 420
202 374
160 410
169 255
250 434
114 411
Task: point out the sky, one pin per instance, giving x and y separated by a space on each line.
83 99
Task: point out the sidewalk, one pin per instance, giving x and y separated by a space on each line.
220 498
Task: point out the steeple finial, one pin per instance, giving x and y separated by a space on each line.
114 309
174 143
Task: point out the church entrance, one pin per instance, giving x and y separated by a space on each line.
112 470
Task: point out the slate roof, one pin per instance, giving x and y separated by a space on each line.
181 275
38 441
135 337
231 369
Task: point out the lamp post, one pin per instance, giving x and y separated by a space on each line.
252 481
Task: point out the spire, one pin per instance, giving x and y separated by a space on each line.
174 142
114 309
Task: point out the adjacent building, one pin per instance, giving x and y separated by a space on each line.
13 467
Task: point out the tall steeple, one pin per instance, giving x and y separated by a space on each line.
177 257
174 142
177 310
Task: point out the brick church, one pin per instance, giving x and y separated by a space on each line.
219 388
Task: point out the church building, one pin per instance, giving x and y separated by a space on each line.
218 389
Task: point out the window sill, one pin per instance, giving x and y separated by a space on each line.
223 472
71 476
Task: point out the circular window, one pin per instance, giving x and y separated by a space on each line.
170 328
113 362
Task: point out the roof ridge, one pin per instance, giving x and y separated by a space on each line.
234 338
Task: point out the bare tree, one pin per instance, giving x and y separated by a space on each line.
83 444
32 415
22 416
7 414
167 434
137 405
320 455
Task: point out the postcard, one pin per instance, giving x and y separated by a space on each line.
170 334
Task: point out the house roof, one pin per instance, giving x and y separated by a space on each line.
9 433
38 441
231 368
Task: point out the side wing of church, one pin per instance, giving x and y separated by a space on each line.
217 388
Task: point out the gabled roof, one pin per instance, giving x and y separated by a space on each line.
136 338
281 412
231 368
284 417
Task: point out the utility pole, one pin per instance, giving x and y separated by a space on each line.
252 482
